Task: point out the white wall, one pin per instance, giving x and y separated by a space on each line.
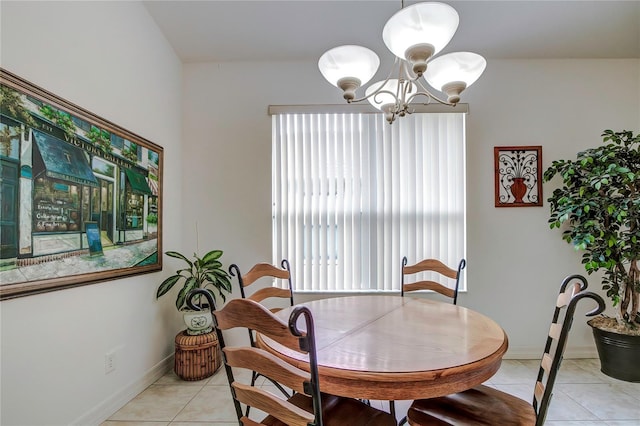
515 262
111 59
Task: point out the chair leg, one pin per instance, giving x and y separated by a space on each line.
392 411
392 408
279 386
254 376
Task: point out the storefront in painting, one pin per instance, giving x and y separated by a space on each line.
60 173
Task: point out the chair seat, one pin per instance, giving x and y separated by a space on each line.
339 411
481 405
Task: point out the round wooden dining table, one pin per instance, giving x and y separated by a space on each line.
397 348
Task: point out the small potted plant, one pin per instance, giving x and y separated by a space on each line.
204 272
598 207
152 224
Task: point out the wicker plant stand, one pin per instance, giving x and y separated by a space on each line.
197 357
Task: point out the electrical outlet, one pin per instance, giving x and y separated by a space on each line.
109 362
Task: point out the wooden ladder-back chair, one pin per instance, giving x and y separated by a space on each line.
264 270
307 407
428 265
484 405
268 294
433 265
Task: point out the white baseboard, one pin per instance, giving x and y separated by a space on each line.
105 409
536 353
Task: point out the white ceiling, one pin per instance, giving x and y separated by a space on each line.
303 29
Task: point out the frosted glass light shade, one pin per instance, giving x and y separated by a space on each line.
348 61
464 67
421 23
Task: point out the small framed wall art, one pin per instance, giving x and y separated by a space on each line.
518 176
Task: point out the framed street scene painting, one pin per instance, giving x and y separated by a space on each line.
518 176
80 197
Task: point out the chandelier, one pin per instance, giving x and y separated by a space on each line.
414 34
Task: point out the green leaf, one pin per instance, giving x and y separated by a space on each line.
220 273
212 255
178 256
213 264
167 285
211 277
226 284
190 284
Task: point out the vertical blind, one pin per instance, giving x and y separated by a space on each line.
352 195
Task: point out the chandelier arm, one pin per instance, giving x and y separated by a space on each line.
422 86
406 89
405 74
430 96
364 98
380 92
401 89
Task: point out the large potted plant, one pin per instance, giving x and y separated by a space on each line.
204 272
598 208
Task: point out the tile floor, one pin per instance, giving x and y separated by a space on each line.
583 396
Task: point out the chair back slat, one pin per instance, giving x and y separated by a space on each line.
261 270
268 292
277 407
430 285
246 313
538 391
246 421
436 266
267 364
546 362
554 330
431 265
572 290
565 297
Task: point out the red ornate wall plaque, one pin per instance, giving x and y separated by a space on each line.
518 176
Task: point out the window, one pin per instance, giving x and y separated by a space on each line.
352 195
117 141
